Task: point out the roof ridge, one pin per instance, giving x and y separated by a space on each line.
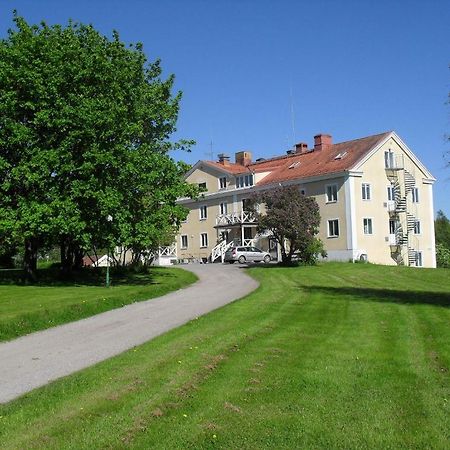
291 155
365 137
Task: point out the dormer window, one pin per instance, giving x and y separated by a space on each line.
340 155
244 181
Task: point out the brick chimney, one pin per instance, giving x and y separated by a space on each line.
322 142
224 159
243 158
301 147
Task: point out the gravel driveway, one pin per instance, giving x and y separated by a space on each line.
36 359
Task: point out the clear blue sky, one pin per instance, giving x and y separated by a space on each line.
349 68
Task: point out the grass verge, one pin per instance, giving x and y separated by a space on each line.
335 356
27 308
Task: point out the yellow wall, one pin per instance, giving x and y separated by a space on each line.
350 209
373 172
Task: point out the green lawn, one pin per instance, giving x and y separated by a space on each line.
336 356
27 308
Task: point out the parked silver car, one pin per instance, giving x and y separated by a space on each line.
246 254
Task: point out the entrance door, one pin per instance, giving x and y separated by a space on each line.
392 230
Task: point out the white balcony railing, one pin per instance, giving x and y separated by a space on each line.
168 251
235 218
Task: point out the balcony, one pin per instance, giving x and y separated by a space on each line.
236 218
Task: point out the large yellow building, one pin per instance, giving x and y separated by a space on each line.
375 199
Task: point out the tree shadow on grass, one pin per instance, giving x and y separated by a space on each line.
84 277
381 295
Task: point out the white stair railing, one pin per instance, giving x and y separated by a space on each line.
219 250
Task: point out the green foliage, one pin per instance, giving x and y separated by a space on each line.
442 256
85 123
442 229
293 218
442 234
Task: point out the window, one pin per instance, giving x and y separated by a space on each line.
222 182
204 240
391 193
294 165
340 155
202 186
366 191
184 241
417 227
415 195
419 261
389 159
331 192
203 212
223 208
367 224
392 226
244 181
333 228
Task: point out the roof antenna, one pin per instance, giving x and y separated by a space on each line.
292 116
210 154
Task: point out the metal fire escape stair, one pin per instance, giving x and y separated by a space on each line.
403 251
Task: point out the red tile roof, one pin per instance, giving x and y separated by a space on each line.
230 167
312 163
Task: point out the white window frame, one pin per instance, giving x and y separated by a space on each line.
389 159
366 191
395 226
184 247
417 227
327 198
203 212
202 243
368 226
223 208
223 185
328 228
419 259
391 193
415 194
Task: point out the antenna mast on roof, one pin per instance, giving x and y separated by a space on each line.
210 154
292 116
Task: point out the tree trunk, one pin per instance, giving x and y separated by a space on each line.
78 258
62 248
66 255
30 258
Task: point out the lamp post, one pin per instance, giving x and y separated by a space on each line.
109 220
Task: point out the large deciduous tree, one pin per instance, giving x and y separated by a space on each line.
293 219
85 123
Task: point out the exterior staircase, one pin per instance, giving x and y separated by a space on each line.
403 182
219 250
